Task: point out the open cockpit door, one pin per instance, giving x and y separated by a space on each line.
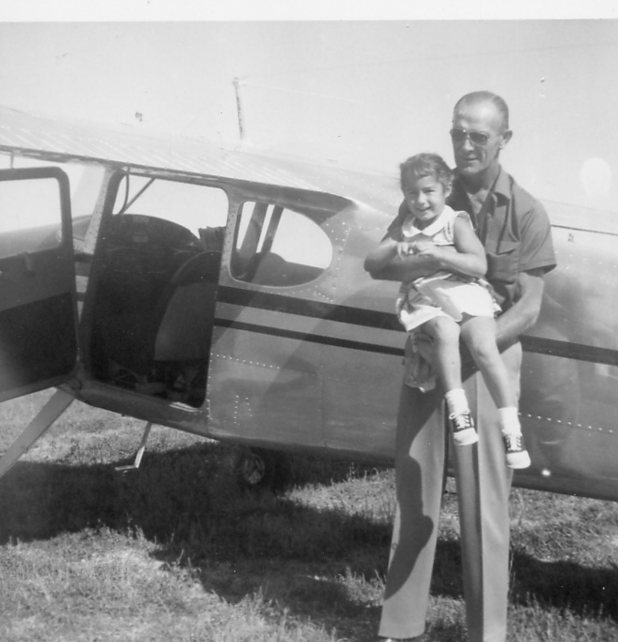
38 318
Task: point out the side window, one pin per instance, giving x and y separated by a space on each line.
85 182
278 246
31 217
85 179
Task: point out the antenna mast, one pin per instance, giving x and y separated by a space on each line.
241 123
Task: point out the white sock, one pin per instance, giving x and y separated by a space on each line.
457 401
509 420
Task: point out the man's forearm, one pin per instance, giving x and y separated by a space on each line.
511 325
406 268
524 313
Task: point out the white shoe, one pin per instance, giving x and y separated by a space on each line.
517 456
464 432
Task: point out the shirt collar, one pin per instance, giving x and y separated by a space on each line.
432 228
501 187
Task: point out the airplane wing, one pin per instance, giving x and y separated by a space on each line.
58 140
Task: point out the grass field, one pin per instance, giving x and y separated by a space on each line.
176 551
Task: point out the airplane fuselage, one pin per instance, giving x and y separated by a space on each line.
224 294
294 356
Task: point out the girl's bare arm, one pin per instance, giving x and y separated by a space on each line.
385 263
470 257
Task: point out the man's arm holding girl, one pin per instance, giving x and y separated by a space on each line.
389 262
522 315
386 262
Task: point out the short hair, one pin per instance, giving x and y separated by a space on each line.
426 164
486 96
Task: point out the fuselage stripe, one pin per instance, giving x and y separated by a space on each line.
308 308
373 319
568 350
312 338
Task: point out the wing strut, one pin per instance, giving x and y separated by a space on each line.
56 405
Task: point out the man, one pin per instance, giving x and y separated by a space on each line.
515 232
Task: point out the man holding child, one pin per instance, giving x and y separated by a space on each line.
515 232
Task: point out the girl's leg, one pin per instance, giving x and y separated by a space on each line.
479 335
444 334
446 359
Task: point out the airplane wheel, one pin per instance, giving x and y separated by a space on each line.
255 468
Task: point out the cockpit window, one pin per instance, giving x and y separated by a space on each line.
192 206
278 246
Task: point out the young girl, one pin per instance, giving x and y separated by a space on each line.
452 302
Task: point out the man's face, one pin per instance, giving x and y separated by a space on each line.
477 135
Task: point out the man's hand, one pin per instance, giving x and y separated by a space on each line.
522 315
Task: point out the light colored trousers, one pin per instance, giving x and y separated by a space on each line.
483 486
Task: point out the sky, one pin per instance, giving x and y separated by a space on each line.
363 93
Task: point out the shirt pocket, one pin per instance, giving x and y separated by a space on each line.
503 261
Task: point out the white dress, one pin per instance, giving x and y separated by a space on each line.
442 293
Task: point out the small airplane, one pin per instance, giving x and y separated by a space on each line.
221 292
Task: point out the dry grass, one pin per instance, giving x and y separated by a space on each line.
177 551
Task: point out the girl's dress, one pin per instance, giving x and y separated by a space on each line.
439 294
442 293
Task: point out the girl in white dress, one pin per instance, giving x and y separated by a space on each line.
453 302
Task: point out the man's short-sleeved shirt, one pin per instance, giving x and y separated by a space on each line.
514 229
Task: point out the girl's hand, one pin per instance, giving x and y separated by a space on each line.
436 251
404 249
422 246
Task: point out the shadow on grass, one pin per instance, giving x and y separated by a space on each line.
565 585
239 543
173 495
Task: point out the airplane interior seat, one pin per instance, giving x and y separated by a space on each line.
199 267
141 257
212 238
186 325
185 310
267 269
272 269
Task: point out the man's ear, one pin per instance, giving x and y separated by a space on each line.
506 137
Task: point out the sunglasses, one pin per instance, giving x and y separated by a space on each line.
480 139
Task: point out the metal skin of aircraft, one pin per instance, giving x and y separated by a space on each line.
259 326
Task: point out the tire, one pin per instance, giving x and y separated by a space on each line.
255 468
